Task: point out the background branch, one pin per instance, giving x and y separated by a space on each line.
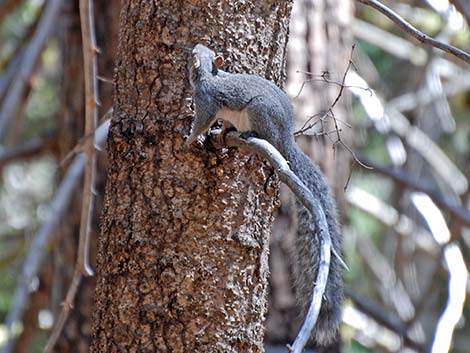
29 149
420 36
404 179
38 247
91 119
391 322
43 237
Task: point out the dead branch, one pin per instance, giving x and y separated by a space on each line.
43 237
280 165
391 322
10 72
67 306
329 113
91 119
79 147
420 36
82 266
38 247
29 149
411 183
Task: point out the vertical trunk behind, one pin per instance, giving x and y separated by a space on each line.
182 262
320 43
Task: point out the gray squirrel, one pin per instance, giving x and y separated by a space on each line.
253 104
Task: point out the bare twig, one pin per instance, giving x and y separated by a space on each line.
38 247
66 308
91 119
267 151
325 77
12 68
420 36
329 113
79 147
29 149
44 235
28 62
82 266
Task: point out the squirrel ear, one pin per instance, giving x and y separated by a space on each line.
218 61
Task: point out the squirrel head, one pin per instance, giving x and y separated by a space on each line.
203 60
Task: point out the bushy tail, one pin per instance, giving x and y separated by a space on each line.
308 250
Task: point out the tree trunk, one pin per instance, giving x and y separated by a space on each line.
183 252
328 43
321 42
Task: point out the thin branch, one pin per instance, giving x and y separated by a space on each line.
329 113
411 183
67 306
304 195
29 149
420 36
391 322
37 250
10 106
43 237
82 266
91 119
79 147
325 77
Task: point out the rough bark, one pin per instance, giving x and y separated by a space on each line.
183 252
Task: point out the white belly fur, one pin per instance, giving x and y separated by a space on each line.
238 118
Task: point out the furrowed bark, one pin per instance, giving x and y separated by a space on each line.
183 253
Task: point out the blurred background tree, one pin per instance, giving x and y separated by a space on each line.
404 111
